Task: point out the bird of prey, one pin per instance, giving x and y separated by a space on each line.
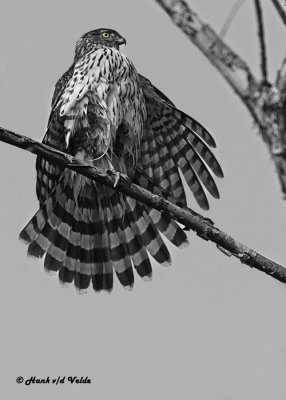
105 113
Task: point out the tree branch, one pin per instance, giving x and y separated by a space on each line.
261 40
233 68
265 102
280 10
203 227
230 18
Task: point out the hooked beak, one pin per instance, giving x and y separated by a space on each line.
121 41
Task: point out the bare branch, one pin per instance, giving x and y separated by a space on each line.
280 10
234 10
204 227
261 40
264 102
233 68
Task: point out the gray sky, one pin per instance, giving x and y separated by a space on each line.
206 328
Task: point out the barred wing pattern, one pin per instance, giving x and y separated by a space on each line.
105 113
174 141
48 173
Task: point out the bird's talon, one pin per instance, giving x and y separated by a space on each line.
117 179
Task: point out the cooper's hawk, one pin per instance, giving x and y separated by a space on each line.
104 112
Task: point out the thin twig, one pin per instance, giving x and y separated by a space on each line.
280 10
234 10
202 226
261 40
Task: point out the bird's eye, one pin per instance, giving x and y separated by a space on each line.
105 35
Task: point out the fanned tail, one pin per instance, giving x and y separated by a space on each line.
85 230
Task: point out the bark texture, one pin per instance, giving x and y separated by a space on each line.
264 100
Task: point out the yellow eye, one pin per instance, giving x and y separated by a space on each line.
105 35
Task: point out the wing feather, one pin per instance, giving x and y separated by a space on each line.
172 140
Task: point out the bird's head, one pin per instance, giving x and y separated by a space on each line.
103 36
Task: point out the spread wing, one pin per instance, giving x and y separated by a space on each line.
172 142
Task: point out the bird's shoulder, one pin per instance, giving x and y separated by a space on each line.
61 84
152 93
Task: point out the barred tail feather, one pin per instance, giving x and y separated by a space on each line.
102 278
145 227
139 255
85 231
170 229
33 232
59 224
119 245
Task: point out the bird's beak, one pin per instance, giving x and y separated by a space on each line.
121 41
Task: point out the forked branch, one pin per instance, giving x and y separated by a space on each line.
264 100
203 227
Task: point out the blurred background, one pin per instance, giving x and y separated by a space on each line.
208 327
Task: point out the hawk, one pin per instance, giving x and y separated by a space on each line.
105 113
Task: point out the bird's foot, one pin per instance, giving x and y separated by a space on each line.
115 175
117 179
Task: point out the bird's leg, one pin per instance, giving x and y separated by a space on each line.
112 171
